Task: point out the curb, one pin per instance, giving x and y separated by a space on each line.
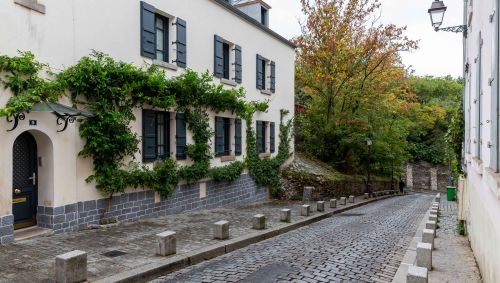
147 272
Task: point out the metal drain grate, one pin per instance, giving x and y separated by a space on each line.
114 253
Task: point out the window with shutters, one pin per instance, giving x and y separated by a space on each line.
180 136
156 43
266 75
227 61
155 135
266 137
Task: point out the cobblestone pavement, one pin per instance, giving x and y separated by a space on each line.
365 244
452 259
33 260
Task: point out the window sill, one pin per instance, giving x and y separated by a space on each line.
266 92
228 82
264 154
32 5
165 65
227 158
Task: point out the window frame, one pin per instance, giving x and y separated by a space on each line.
166 37
166 135
227 139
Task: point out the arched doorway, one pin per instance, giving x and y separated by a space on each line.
24 181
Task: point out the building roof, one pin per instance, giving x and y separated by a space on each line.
251 2
254 22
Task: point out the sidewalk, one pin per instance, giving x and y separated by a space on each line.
452 260
132 245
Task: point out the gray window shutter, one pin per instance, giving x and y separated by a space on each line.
237 137
148 135
260 73
273 77
272 137
218 57
219 136
238 66
180 136
181 43
260 145
148 38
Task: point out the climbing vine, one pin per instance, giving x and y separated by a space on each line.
113 90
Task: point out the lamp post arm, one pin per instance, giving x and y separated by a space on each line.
456 29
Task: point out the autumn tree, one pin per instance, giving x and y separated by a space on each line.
353 84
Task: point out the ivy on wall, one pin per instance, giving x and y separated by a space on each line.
112 90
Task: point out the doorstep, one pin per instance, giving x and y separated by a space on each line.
30 232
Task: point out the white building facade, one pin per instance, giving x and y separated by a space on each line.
479 191
42 178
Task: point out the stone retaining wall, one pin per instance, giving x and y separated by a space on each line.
423 176
144 204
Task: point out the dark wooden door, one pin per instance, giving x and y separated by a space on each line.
24 181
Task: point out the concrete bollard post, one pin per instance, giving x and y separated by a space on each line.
437 198
333 203
431 225
342 201
166 243
305 210
428 237
424 255
307 194
286 215
320 206
351 199
433 211
221 230
71 267
433 217
259 222
417 274
367 195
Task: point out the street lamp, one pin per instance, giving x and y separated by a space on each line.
437 15
369 143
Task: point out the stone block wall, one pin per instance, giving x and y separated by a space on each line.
141 204
423 176
6 229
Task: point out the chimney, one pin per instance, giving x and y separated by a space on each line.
257 9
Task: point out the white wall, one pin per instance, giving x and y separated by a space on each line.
70 29
482 192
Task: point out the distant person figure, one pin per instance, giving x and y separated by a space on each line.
401 185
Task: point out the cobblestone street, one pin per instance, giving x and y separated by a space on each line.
365 244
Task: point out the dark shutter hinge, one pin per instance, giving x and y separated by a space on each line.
489 145
490 81
492 16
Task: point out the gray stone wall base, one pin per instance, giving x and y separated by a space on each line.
140 205
6 229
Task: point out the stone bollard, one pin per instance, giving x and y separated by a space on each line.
333 203
342 201
71 267
424 255
367 195
286 215
433 211
416 274
305 210
259 222
307 194
221 230
351 199
428 237
431 225
433 217
166 243
437 198
320 206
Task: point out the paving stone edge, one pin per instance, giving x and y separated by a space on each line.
149 271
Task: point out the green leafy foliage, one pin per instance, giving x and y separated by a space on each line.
112 90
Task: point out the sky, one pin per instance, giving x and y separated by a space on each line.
439 53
